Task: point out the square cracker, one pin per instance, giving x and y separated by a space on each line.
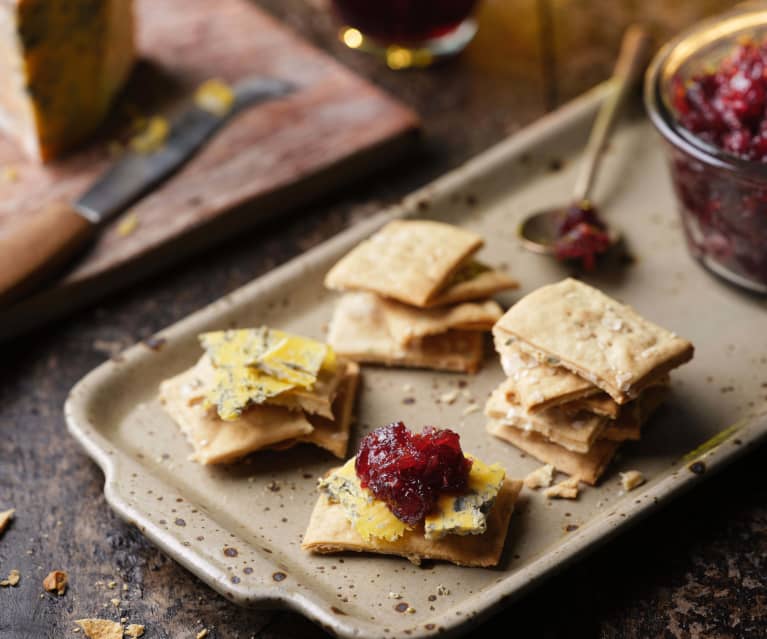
407 260
628 426
473 281
538 385
588 467
408 325
596 337
218 442
601 404
359 331
329 531
319 400
333 434
577 434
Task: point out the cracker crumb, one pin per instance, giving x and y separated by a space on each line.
56 581
631 479
115 602
100 628
111 585
449 397
125 587
471 408
394 595
134 630
567 489
5 518
443 590
127 225
12 579
202 634
540 477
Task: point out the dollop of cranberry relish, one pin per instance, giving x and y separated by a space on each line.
409 471
581 235
727 106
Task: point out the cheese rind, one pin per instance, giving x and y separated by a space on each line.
61 64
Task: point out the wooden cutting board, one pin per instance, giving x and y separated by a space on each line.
272 157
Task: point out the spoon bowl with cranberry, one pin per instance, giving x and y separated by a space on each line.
576 231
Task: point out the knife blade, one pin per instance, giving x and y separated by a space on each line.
47 239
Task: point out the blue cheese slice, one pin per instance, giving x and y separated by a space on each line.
290 358
454 514
467 514
367 515
236 388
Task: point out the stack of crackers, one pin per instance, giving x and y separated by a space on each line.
584 373
261 388
415 296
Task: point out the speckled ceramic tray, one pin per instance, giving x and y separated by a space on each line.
239 528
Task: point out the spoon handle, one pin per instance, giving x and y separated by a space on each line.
629 68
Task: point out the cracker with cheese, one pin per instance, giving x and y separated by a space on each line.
360 331
415 296
588 467
228 405
415 496
538 385
573 432
595 337
628 425
408 325
584 373
473 281
329 531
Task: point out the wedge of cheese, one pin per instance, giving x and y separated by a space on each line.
453 515
61 64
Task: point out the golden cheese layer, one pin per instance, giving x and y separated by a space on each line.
464 514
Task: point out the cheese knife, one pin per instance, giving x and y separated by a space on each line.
35 249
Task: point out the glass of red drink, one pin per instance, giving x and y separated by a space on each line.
407 33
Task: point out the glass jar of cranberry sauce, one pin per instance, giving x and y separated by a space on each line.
706 93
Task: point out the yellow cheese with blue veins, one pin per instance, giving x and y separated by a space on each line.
464 514
289 358
236 388
296 359
367 515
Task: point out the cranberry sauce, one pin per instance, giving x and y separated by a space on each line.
725 212
581 235
404 21
727 107
408 471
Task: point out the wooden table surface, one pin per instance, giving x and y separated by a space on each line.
696 569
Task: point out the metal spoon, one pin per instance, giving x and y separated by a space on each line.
539 231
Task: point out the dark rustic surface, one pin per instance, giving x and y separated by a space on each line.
697 569
277 154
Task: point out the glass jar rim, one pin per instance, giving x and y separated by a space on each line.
665 64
